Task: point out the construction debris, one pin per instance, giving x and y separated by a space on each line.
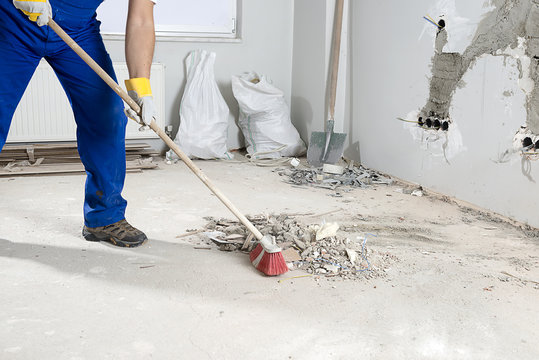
326 230
43 159
411 190
317 249
352 176
333 169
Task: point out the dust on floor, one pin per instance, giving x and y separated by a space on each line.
460 283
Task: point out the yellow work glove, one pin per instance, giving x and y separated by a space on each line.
139 90
39 11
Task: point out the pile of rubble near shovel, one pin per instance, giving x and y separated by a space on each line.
334 177
318 249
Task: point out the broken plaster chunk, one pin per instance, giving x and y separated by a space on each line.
288 237
306 252
327 230
307 237
234 229
294 162
352 255
331 268
333 169
418 193
300 244
216 236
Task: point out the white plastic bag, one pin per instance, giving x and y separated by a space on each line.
265 118
204 113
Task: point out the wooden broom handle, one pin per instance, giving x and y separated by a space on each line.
336 50
125 97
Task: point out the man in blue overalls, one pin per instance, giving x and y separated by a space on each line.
98 111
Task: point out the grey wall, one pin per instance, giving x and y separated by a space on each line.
313 36
390 78
309 67
266 47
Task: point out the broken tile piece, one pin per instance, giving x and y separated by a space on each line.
291 255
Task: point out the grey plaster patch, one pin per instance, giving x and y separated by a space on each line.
508 93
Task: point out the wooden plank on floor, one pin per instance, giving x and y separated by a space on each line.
66 169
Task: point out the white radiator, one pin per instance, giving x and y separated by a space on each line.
44 113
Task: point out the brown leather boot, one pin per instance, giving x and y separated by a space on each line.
120 234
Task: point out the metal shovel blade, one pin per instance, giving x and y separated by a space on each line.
317 155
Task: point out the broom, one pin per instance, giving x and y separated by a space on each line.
269 259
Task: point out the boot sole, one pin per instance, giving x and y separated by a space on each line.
88 236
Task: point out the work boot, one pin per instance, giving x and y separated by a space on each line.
118 234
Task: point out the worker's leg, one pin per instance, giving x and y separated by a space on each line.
17 65
100 127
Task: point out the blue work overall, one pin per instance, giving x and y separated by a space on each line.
98 110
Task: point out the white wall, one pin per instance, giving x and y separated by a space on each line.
386 65
391 66
266 47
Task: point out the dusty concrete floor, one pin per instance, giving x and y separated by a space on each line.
445 298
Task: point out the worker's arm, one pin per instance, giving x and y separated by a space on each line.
37 10
139 48
139 38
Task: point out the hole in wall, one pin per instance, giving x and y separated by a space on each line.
527 143
433 123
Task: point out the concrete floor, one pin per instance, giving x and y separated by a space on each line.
445 298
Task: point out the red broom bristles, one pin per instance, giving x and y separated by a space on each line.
256 251
269 263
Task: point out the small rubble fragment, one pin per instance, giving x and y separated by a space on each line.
291 255
352 255
327 230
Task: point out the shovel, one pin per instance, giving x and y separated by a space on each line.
125 97
327 147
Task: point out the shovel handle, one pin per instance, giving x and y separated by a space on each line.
336 51
125 97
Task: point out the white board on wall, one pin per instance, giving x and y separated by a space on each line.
207 18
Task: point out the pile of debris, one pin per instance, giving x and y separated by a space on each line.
63 158
317 249
352 176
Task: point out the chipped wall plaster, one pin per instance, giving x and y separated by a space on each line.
509 28
487 111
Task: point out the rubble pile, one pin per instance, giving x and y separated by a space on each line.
317 249
352 176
